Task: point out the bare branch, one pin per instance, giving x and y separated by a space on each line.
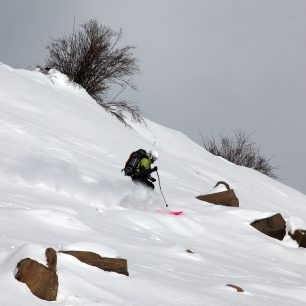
241 151
90 57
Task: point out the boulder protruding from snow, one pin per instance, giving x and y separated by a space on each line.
118 265
41 280
225 198
274 226
239 289
299 236
223 183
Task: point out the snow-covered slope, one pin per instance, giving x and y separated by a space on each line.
61 187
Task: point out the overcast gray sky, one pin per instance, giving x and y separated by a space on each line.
208 66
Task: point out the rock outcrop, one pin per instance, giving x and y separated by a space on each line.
274 226
299 236
41 280
117 265
225 198
239 289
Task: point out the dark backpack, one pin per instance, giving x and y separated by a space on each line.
132 162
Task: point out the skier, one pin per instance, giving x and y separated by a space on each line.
142 173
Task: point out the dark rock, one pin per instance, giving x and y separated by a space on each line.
274 226
299 236
223 183
225 198
117 265
235 287
41 280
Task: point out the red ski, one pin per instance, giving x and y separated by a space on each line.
169 212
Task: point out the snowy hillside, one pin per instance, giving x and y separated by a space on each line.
61 187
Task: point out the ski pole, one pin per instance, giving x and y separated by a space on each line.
161 189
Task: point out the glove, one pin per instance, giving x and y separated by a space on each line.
154 169
152 179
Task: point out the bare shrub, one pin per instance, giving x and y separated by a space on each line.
240 150
91 57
